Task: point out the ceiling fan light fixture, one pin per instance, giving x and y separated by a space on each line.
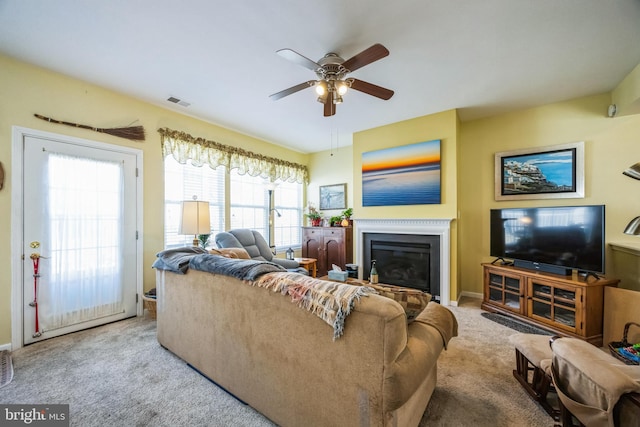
342 88
337 100
321 87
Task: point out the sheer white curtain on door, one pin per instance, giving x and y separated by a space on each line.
82 278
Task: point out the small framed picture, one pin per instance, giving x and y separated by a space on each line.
553 172
333 196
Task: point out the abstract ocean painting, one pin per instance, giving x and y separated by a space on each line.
406 175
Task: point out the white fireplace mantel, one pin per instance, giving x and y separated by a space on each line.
431 227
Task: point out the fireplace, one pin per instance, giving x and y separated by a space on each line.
409 260
423 241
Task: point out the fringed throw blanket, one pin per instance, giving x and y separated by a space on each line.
330 301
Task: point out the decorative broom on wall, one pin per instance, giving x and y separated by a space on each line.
134 133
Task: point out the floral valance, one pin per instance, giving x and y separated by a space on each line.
200 151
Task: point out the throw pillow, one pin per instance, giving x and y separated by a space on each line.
412 300
239 253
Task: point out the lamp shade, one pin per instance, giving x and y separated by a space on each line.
633 171
633 227
195 218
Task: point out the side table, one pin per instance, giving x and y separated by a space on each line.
310 264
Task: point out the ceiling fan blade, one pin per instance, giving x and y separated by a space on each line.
367 56
371 89
292 89
329 106
294 56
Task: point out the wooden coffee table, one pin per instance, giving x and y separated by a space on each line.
311 264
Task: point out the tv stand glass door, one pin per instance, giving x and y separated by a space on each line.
505 289
554 304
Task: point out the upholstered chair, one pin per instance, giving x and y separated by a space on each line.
257 247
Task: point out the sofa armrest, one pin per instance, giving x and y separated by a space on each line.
589 381
286 263
440 318
425 341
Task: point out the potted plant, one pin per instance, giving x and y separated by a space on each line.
334 221
346 214
314 215
204 240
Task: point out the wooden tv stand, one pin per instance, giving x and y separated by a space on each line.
564 305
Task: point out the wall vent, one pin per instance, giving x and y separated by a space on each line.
178 101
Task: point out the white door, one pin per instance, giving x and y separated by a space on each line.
80 233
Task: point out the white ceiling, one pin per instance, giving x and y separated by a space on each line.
482 57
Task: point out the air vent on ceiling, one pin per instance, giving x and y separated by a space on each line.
178 101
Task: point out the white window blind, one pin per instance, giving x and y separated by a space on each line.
248 203
250 209
287 226
182 182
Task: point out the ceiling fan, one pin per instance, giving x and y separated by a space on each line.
331 72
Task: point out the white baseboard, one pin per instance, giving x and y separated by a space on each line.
5 347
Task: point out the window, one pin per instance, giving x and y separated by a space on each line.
249 203
250 209
287 226
182 182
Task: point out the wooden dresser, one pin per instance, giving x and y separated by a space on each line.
329 245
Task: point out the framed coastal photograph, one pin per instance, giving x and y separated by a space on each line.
405 175
333 196
552 172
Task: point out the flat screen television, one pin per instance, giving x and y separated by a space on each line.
556 239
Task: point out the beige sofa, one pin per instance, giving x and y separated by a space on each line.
284 361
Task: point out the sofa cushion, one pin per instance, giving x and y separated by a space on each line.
255 245
534 347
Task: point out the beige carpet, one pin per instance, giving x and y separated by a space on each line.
475 385
118 375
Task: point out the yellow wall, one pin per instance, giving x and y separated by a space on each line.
627 95
328 169
27 90
611 145
325 169
442 126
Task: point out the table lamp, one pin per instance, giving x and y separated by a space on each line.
195 219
